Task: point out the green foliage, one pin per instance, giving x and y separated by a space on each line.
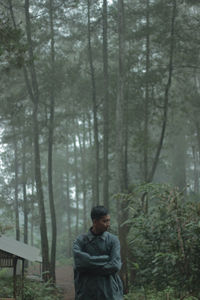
156 295
193 2
5 285
32 290
12 49
164 240
40 291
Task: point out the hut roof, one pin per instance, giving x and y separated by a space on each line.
19 249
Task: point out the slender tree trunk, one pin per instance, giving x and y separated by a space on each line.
32 196
83 167
76 186
126 133
167 90
146 106
32 215
34 95
120 142
50 147
68 201
179 161
144 198
198 155
24 190
43 226
84 177
93 202
24 183
120 180
16 186
94 101
196 170
126 137
198 133
105 109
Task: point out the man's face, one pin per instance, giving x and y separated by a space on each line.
102 224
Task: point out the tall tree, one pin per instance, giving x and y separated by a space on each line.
68 198
146 106
120 158
166 92
16 184
76 183
50 144
82 146
120 182
94 103
105 107
34 96
24 183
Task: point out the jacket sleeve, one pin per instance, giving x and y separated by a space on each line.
85 262
114 263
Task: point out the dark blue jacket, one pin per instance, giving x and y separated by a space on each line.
97 261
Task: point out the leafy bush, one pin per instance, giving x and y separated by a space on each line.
156 295
164 241
32 290
5 285
40 291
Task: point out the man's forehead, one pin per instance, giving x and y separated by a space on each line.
105 217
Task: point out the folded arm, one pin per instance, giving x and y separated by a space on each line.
114 263
84 261
99 264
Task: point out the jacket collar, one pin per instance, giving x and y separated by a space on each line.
92 236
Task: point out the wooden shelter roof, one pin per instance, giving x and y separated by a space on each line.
19 249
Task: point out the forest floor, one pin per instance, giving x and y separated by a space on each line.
65 280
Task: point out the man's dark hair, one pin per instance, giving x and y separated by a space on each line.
98 212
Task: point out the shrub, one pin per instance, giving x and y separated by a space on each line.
32 290
164 241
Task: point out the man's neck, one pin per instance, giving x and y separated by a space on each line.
95 231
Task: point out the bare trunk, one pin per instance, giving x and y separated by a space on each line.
76 185
105 109
196 170
120 180
50 148
32 198
91 146
94 102
126 179
43 226
120 143
24 191
197 156
126 137
34 95
146 133
68 202
83 164
166 98
198 134
179 161
16 187
84 176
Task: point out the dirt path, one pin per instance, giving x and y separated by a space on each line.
65 280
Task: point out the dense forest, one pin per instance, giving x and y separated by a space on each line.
100 105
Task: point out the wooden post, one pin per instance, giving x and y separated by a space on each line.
14 276
22 279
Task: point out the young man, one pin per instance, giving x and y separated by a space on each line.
97 261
